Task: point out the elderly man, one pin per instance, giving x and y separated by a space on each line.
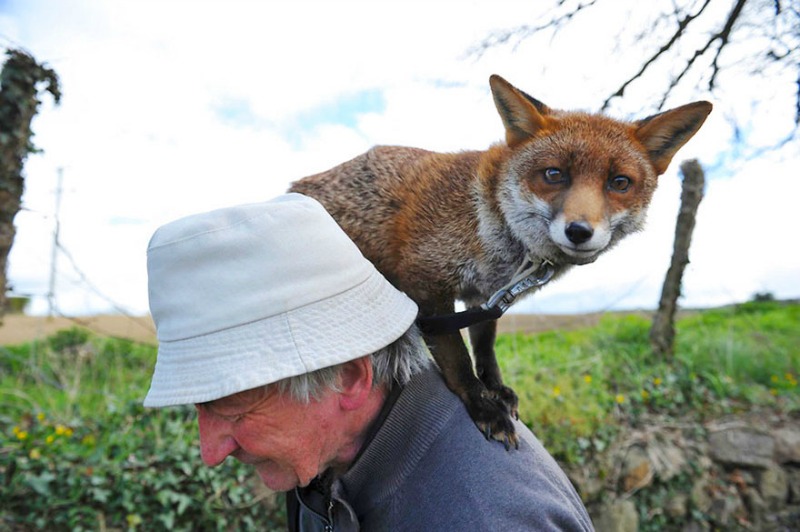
303 361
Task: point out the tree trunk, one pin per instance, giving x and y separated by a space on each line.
662 332
18 104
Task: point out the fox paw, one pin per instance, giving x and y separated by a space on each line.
493 420
506 396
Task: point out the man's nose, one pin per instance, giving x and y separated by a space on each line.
216 442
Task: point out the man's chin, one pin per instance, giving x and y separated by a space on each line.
278 480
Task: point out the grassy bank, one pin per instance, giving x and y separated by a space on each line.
577 387
78 452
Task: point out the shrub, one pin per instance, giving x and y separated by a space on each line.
78 452
132 469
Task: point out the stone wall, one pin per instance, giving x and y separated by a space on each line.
737 473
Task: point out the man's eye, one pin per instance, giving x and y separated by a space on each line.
227 416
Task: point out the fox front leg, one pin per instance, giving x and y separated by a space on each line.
482 337
490 414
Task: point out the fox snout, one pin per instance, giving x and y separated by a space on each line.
579 232
579 240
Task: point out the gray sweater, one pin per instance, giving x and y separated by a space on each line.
427 467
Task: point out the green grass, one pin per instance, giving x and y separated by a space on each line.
73 374
77 451
576 387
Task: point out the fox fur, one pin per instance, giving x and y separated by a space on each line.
563 187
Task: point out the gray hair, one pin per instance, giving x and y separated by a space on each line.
397 362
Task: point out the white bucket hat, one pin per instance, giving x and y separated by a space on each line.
248 295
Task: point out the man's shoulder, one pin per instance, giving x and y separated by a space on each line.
463 477
430 468
461 447
456 437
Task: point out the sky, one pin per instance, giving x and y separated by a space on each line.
171 108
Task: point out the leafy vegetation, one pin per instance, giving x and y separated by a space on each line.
78 452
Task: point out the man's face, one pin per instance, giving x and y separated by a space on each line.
287 442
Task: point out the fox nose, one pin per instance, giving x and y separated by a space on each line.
579 232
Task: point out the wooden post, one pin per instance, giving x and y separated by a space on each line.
662 331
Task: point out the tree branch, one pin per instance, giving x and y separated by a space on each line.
520 33
682 25
724 38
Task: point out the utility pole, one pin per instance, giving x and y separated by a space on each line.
51 292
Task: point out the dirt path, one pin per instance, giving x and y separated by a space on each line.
16 328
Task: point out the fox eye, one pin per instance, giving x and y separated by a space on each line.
619 183
554 176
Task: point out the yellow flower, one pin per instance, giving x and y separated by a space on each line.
35 454
774 378
88 440
16 430
40 416
133 520
657 381
620 398
21 435
68 432
50 439
60 430
645 394
789 377
556 391
587 379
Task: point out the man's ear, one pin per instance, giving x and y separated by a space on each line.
355 383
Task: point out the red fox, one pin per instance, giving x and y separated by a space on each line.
564 187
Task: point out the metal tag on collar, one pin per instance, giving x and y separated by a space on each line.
529 275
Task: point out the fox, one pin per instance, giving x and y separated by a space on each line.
563 188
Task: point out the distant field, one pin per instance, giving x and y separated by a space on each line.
17 328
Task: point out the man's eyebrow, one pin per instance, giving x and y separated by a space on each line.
241 407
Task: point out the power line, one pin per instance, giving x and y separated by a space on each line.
85 280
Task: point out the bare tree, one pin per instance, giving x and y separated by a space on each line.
691 42
19 101
662 331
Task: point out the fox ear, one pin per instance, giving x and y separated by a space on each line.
522 114
665 133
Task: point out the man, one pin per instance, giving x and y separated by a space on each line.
303 361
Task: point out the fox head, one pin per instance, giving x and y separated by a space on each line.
572 184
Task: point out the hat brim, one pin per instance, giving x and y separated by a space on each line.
337 329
